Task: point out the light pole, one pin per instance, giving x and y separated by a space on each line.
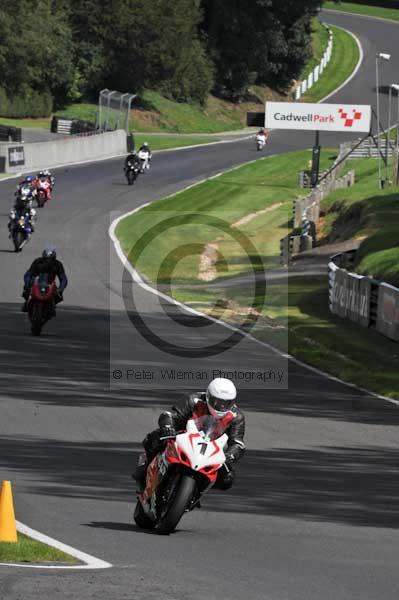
386 57
393 86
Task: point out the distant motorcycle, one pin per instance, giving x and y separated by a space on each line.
181 474
145 161
132 171
260 141
41 302
20 228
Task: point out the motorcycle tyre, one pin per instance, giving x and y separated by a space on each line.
36 320
18 239
141 519
184 493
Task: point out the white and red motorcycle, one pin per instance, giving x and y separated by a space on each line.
179 476
261 140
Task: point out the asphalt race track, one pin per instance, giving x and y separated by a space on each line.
314 513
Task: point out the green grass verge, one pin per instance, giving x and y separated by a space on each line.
164 142
344 58
364 9
36 123
28 550
315 336
266 184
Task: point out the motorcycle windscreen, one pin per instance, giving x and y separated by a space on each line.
211 427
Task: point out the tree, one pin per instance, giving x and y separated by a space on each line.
263 41
36 48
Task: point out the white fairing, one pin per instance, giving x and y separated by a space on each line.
200 447
261 140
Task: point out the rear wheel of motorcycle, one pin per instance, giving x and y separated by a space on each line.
184 493
141 519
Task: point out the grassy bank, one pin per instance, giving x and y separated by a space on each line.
263 191
344 58
367 213
364 9
27 550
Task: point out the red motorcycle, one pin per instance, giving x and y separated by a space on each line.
41 302
42 192
182 473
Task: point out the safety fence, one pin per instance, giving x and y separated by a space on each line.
314 75
306 211
361 299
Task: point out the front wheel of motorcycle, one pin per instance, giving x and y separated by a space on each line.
18 241
141 519
184 493
36 319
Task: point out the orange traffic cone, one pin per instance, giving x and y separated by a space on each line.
8 529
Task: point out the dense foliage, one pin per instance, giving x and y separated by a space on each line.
65 50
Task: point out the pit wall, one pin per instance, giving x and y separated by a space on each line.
23 157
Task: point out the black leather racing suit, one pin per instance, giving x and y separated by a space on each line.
178 418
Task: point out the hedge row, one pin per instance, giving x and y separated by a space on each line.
32 104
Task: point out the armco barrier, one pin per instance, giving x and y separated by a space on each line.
362 299
66 151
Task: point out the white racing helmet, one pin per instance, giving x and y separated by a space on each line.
220 396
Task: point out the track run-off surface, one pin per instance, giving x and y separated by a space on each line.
314 512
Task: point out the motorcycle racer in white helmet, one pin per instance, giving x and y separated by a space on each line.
219 400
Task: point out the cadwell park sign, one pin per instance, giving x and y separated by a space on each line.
318 117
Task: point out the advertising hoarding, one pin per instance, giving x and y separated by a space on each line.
388 311
318 117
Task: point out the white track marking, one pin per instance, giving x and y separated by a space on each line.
91 562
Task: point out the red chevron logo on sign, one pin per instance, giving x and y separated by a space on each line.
349 120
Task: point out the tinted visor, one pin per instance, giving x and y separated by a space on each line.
219 404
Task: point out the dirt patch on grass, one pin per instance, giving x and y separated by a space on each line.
210 256
208 260
251 216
